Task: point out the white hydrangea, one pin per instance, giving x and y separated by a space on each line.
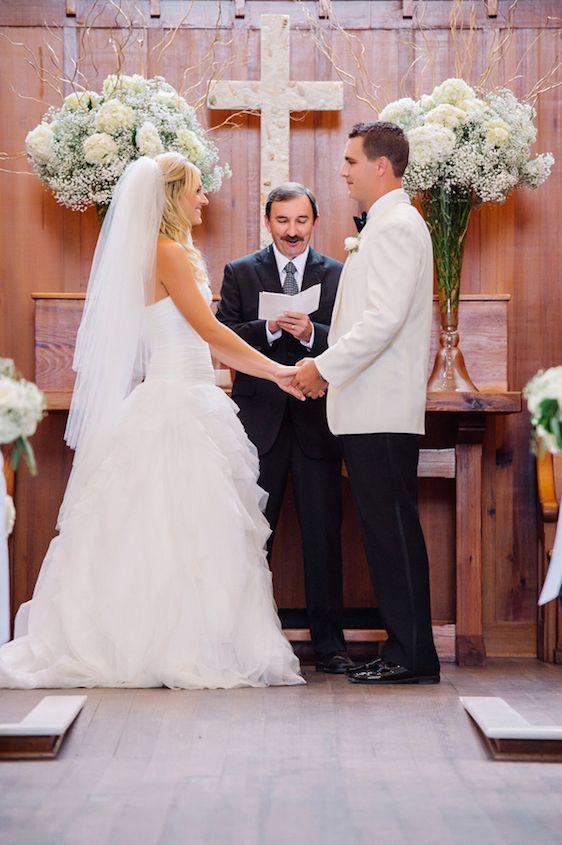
168 98
403 112
453 91
546 384
110 84
100 148
81 100
136 82
114 116
9 401
446 115
148 140
430 144
39 143
190 144
22 405
497 132
483 151
426 103
132 116
473 107
544 400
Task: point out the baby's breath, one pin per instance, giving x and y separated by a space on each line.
469 143
81 149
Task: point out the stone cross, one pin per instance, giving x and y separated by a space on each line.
275 96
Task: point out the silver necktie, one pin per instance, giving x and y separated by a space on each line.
290 286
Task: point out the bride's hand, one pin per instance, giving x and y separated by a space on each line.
284 378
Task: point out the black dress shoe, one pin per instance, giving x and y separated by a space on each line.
390 673
337 664
361 667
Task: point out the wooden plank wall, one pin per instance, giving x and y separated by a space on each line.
511 249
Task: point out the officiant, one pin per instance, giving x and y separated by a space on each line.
289 434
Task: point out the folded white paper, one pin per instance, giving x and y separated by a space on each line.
272 305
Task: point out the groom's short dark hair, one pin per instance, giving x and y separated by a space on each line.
384 139
288 191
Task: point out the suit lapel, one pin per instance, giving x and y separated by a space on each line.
312 270
266 269
339 294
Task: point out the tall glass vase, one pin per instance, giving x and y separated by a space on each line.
101 211
447 216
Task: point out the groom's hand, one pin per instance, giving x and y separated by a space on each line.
309 380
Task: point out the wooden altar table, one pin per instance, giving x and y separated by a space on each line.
463 462
456 424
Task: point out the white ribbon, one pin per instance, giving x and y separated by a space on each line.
553 580
4 567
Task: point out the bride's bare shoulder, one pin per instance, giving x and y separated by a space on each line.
166 247
170 253
172 262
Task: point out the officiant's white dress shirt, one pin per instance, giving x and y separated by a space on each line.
299 263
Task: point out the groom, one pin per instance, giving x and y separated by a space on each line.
288 434
376 369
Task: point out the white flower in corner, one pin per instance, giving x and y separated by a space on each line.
352 244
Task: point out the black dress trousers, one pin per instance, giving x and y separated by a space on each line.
317 492
382 472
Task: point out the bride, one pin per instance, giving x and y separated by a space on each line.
158 575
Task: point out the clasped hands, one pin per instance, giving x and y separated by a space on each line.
305 382
308 380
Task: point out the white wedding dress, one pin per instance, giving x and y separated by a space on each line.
159 575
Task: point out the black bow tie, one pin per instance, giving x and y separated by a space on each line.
360 221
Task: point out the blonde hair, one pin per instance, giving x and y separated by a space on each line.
180 176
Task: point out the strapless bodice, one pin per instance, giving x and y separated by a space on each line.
176 351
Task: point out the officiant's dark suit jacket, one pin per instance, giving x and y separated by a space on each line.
262 405
290 434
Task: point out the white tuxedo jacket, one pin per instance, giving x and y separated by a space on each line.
377 359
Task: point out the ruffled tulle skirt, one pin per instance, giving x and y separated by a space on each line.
158 575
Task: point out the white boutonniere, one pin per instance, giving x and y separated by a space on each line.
352 244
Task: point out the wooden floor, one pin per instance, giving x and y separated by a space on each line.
326 764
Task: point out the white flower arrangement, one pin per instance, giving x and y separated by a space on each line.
544 401
80 149
22 406
473 145
352 244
